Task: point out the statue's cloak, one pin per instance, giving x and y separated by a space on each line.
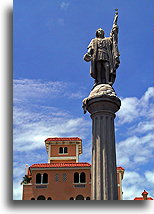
113 54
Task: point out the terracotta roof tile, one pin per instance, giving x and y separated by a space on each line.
141 198
59 165
63 139
120 168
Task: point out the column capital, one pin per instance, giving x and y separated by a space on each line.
102 99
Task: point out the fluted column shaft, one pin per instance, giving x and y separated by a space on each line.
104 176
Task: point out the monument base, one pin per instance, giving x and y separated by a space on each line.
102 103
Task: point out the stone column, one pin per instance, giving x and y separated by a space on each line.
102 104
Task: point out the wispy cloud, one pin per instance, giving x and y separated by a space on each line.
135 151
30 89
150 177
64 5
133 108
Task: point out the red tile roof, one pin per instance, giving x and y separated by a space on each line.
63 139
141 198
59 165
120 168
144 193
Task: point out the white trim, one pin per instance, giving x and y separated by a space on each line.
27 184
41 184
49 153
63 153
77 153
79 183
63 158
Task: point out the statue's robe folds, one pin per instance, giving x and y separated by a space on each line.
113 55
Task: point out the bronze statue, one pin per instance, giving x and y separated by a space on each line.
104 55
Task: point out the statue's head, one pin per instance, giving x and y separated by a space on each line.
100 33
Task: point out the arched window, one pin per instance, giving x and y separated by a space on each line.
65 150
45 178
41 197
82 177
88 198
61 150
32 199
49 198
76 177
71 198
79 197
38 178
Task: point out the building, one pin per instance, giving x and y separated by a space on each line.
144 196
63 177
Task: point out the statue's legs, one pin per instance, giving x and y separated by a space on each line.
100 73
107 71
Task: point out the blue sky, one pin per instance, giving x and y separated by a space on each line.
51 79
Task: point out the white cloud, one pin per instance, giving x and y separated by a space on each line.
64 5
33 123
132 177
128 111
149 176
133 107
142 127
17 190
32 128
25 89
30 89
135 150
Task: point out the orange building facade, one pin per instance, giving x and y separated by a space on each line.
63 177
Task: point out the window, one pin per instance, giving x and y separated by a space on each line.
71 198
49 198
76 177
88 198
38 178
42 179
64 177
41 197
79 197
45 178
32 199
79 178
82 177
63 150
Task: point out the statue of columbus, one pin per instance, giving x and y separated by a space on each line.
104 55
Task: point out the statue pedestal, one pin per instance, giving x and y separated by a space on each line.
102 104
